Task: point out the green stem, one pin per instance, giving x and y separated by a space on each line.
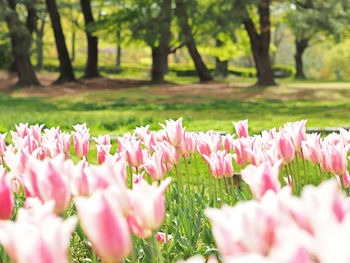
156 245
210 185
130 176
179 187
216 194
151 248
319 168
293 179
342 182
227 190
305 174
316 172
221 193
299 176
188 177
197 174
287 173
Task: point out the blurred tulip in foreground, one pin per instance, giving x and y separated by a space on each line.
40 238
105 226
6 197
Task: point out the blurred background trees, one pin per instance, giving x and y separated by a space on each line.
266 39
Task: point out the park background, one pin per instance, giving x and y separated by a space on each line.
141 72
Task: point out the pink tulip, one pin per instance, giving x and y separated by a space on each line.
155 167
66 142
174 131
211 139
136 178
142 132
102 152
188 145
346 179
312 148
134 153
170 154
297 133
48 180
325 164
22 130
262 179
244 150
216 163
150 141
241 128
191 142
127 138
285 147
337 159
17 162
161 237
109 173
35 132
40 238
81 142
346 136
2 144
31 143
242 229
102 140
82 183
229 170
81 139
6 197
105 226
228 143
147 207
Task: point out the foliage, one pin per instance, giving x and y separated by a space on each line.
336 62
5 48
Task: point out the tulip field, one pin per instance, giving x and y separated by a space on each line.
173 195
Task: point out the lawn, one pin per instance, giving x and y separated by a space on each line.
203 106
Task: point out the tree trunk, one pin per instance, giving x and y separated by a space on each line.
66 69
160 53
119 50
73 47
21 40
300 46
159 61
91 69
201 68
260 44
40 45
221 67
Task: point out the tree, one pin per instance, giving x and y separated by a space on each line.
91 69
307 20
186 33
66 69
259 39
148 21
161 51
21 39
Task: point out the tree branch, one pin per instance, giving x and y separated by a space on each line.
171 51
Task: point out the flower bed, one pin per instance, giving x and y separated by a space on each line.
167 195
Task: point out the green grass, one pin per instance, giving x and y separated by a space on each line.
120 111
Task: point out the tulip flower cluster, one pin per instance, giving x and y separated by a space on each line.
125 201
284 228
36 168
